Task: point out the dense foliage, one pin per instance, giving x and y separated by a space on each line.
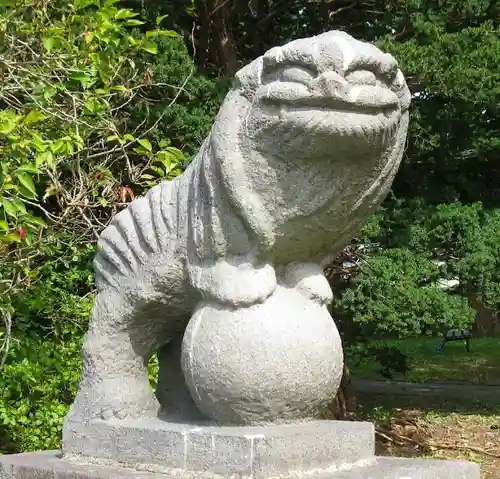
93 111
101 99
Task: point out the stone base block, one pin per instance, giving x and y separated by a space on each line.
49 465
402 468
257 452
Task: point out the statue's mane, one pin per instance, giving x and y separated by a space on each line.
219 188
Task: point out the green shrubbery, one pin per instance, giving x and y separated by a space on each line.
42 366
93 111
415 249
186 121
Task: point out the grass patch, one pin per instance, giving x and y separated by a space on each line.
479 366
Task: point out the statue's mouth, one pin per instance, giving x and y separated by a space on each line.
369 112
326 105
356 99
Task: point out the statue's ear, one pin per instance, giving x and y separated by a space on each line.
249 78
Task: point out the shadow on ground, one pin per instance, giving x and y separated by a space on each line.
368 404
479 366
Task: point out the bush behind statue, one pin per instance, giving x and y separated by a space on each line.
92 113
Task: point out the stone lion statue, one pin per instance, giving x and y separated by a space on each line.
303 149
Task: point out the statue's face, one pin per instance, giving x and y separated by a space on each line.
324 98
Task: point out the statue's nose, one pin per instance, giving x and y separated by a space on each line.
331 84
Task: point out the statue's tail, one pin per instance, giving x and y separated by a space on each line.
137 233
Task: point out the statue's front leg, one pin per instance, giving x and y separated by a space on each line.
233 281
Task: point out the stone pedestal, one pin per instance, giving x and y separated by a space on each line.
155 449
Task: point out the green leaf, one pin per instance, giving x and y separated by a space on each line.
7 126
90 105
176 152
157 170
147 176
26 193
133 23
37 142
10 238
4 225
81 4
162 33
45 158
29 169
84 78
141 151
9 208
79 142
160 18
19 205
49 43
34 220
131 40
124 13
34 116
146 144
57 145
149 47
165 158
121 88
26 180
28 239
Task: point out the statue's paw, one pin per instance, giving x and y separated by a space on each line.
309 280
235 284
110 413
93 403
121 410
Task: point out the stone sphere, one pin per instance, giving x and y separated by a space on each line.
279 361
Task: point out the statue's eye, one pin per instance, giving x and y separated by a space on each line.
296 75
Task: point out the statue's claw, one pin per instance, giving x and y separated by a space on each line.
310 281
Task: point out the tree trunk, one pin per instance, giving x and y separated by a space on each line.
344 405
203 36
224 41
215 41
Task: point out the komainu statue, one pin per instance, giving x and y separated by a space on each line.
219 271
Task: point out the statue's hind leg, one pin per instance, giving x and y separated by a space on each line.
114 381
172 392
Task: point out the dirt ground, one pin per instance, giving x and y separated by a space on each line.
429 428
